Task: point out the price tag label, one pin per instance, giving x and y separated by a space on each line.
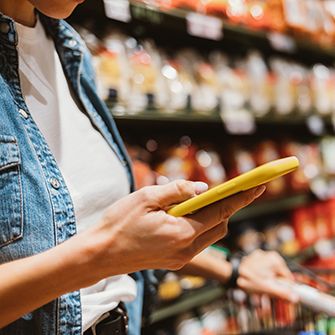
204 26
282 42
118 10
316 125
239 122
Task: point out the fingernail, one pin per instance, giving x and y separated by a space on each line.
259 191
200 187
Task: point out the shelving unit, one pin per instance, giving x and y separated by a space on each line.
310 252
187 302
164 118
163 26
268 207
176 19
144 20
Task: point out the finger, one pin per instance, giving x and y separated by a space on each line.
280 267
209 237
163 196
270 287
224 209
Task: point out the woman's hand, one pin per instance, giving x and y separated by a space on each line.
137 233
261 272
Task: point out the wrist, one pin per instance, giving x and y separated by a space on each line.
235 262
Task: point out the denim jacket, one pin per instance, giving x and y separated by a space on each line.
36 210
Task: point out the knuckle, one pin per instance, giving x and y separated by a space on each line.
226 212
145 194
258 253
175 266
224 230
184 187
179 261
275 256
185 235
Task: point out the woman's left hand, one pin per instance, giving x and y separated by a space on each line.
262 271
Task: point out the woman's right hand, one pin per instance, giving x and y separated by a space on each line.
136 232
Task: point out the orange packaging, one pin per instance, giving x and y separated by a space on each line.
237 11
266 151
259 14
303 224
331 215
297 180
275 15
216 7
295 13
322 220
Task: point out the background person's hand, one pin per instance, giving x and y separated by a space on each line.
137 233
262 271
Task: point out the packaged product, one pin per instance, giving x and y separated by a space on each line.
214 171
295 13
169 289
213 319
260 95
206 91
304 226
264 152
298 180
322 89
144 76
216 7
237 11
284 97
187 324
181 163
234 90
112 70
177 86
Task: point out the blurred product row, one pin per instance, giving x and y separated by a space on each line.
134 76
305 233
239 313
158 162
311 19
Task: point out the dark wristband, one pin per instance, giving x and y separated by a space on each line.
235 261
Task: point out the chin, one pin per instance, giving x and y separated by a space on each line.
55 8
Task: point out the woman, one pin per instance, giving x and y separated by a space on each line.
63 168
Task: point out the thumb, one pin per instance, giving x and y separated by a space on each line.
279 289
164 196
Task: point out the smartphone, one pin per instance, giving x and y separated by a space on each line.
257 176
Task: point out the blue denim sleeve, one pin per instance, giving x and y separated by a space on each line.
134 308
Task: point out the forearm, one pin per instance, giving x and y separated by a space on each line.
29 283
208 266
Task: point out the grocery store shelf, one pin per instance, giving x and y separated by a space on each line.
166 116
311 251
161 118
187 302
176 19
147 20
268 207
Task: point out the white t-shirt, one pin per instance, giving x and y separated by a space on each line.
92 171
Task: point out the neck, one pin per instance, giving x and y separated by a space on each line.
21 11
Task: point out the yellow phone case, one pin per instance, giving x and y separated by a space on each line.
258 176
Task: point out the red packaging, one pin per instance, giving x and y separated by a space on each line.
322 220
303 223
331 215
